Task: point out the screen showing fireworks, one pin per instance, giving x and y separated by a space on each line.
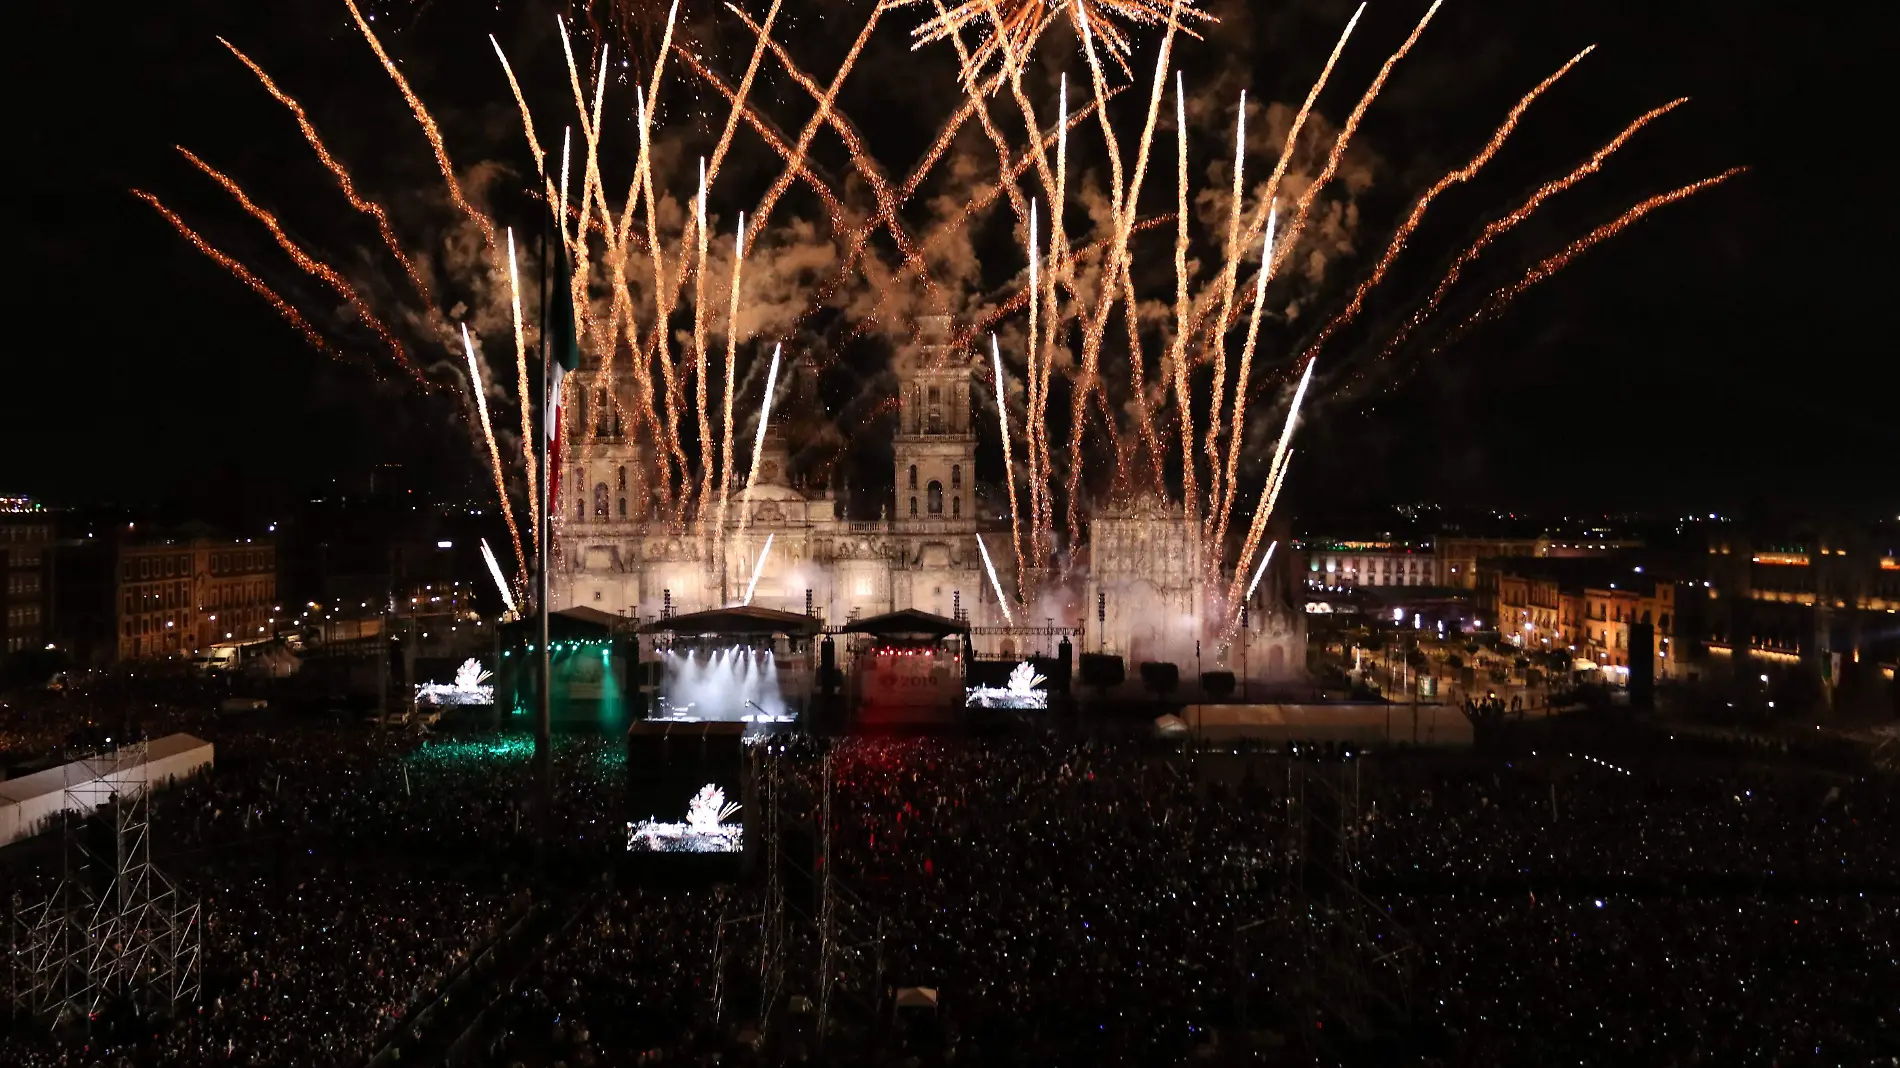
685 788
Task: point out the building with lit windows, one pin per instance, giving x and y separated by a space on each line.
1340 564
1582 607
26 532
1137 584
182 596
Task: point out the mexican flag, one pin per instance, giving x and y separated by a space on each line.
564 355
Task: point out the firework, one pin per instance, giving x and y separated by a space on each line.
1009 463
1548 267
699 343
309 263
501 584
758 440
1277 471
990 568
1014 26
241 273
336 169
1229 278
1507 223
1261 571
757 567
1463 174
732 380
429 128
494 452
521 385
1235 436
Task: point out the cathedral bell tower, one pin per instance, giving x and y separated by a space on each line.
935 446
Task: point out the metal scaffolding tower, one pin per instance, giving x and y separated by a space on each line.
115 926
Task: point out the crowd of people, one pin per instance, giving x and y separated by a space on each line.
1066 900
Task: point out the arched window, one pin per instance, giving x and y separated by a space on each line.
580 507
956 476
600 500
933 496
913 476
913 506
623 507
620 479
956 506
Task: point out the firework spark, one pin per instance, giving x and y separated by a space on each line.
1411 223
1231 480
990 567
1261 570
1544 270
1014 26
1281 456
337 170
501 584
241 273
521 385
758 440
494 452
315 267
1507 223
1009 463
429 129
758 566
732 379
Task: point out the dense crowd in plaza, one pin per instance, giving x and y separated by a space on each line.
1070 901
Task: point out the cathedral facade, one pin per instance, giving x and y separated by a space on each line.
1138 589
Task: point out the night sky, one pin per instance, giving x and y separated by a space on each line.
1732 349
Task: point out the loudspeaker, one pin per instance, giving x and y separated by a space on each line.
1642 653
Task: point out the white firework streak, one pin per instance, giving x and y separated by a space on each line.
1261 571
494 568
995 585
1009 466
757 567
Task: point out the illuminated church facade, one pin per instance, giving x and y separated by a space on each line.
1138 589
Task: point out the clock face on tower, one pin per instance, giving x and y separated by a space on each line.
768 471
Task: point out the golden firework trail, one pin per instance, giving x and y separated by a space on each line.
337 170
1088 380
1229 278
1545 269
1281 456
758 567
309 263
706 464
1411 223
1009 462
1270 197
1016 25
1310 196
429 129
990 567
1183 399
825 103
241 273
494 451
732 378
1236 432
1030 457
527 117
1507 223
668 429
521 387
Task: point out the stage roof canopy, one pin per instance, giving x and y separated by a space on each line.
579 623
741 619
909 623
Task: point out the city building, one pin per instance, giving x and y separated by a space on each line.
1341 564
1137 589
1820 597
181 596
1458 556
1583 607
26 531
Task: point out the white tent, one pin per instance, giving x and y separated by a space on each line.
28 802
917 997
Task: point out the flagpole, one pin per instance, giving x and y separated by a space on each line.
543 733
